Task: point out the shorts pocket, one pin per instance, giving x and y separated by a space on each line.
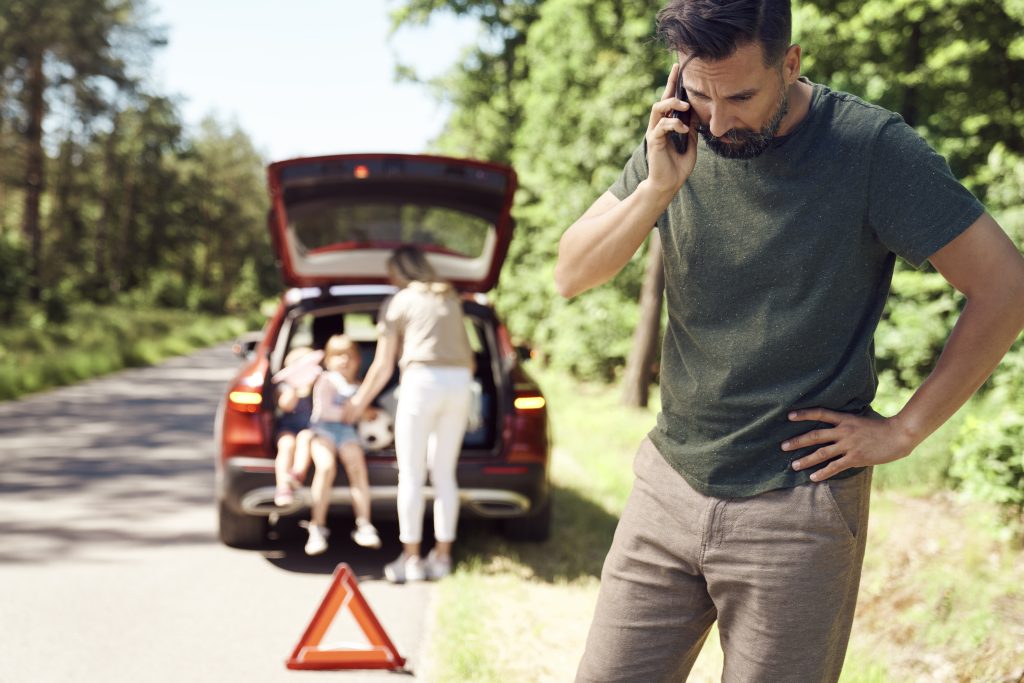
849 498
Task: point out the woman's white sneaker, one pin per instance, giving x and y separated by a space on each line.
405 568
438 567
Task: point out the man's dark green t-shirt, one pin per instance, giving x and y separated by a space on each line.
776 273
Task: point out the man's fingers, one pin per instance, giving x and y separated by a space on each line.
831 470
818 414
818 436
670 87
663 109
816 458
666 126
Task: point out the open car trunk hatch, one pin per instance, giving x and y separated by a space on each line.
336 219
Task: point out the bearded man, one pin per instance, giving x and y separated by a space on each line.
781 220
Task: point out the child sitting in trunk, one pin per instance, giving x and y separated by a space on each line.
294 398
333 438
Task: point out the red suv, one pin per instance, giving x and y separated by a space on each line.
334 222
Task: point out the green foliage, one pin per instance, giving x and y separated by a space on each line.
95 340
988 459
602 321
561 89
130 207
1003 177
919 315
953 68
988 454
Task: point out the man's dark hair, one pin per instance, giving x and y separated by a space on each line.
714 29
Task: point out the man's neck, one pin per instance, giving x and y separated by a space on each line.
799 104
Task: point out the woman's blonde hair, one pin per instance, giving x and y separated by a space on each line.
413 269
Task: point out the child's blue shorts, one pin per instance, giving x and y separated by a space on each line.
336 433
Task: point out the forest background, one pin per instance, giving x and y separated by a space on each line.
114 214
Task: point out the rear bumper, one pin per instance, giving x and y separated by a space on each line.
486 489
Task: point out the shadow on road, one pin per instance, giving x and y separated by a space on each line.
121 461
581 534
285 549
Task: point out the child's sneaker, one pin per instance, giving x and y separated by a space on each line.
317 543
438 568
283 496
365 534
405 568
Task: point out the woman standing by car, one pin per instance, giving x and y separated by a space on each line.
422 327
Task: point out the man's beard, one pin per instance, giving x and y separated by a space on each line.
746 144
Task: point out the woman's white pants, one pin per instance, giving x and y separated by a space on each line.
433 406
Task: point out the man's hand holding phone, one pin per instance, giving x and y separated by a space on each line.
671 141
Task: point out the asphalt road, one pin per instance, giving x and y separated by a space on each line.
110 568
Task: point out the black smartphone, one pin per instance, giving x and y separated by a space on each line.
679 139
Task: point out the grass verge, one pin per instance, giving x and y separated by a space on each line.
942 594
97 340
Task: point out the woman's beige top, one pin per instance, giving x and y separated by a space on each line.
428 325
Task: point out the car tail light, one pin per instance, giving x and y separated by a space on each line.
528 432
529 402
245 400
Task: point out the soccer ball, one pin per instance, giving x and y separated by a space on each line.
376 431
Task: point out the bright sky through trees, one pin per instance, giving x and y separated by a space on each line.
306 77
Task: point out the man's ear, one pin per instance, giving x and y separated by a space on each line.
791 64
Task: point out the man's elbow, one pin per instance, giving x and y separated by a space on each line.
569 281
563 282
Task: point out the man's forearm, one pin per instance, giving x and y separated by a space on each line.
597 246
979 340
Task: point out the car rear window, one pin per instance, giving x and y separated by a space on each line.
331 223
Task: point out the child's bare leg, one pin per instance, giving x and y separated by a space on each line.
303 446
354 460
283 461
324 472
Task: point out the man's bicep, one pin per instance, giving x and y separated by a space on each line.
980 258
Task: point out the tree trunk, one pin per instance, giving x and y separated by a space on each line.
639 365
35 86
103 286
913 58
125 243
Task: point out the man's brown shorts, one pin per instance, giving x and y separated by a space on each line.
779 572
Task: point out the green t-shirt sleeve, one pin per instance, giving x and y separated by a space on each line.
915 205
632 175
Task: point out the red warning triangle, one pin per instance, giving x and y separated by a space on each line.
344 592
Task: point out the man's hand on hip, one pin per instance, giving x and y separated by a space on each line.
852 441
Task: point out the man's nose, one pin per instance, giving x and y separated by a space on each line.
719 120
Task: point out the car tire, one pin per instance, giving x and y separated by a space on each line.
535 527
240 531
